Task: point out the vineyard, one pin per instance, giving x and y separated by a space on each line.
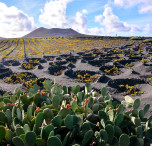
20 48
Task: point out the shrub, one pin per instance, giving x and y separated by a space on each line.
147 40
56 117
28 66
136 38
19 77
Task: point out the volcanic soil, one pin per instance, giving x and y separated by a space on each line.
123 70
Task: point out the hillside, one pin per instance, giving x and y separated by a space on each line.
44 32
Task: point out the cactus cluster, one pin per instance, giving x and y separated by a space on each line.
55 116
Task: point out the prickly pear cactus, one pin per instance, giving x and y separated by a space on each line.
141 114
29 112
30 138
69 122
64 112
45 131
146 108
135 141
41 142
19 131
119 119
140 132
121 109
17 141
26 128
56 102
48 115
38 121
88 135
54 141
75 89
136 104
55 116
95 108
65 89
34 89
124 140
118 131
2 133
104 91
104 135
80 97
111 115
47 85
86 127
74 105
9 135
57 120
9 116
19 114
88 88
3 117
110 131
103 115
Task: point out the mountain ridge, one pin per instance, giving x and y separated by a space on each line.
53 32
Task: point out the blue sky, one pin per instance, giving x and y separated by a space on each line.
96 17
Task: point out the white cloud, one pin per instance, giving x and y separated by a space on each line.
79 23
110 24
84 11
96 31
54 13
98 18
14 22
144 5
127 3
113 24
145 9
147 29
